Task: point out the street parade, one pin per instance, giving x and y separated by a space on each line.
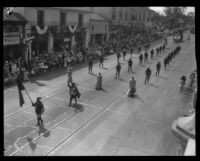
130 92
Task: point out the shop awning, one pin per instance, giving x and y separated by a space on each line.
15 17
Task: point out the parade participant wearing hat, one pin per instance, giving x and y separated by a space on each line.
148 75
74 93
158 66
39 110
130 64
118 69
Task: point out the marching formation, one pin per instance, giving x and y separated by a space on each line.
143 58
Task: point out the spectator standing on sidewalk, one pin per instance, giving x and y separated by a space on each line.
39 110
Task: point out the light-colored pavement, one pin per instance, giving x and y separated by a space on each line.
104 122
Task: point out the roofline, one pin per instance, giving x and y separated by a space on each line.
72 9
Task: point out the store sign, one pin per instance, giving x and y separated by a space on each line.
11 33
66 39
11 40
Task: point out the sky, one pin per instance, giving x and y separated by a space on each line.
160 9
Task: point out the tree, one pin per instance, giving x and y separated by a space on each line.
174 16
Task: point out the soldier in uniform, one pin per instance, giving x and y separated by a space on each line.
145 56
152 52
118 69
148 75
140 59
39 110
158 66
130 63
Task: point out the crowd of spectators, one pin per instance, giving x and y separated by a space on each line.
60 59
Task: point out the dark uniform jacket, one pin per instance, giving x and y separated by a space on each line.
39 107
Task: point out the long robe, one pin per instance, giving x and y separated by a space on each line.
132 88
99 83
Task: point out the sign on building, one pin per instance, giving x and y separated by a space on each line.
10 40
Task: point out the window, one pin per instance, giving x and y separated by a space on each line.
105 27
126 15
114 13
133 18
40 18
62 18
92 27
120 13
80 20
144 16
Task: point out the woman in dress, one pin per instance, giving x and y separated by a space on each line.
132 87
99 82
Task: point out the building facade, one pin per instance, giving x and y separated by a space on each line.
99 29
13 34
117 16
55 28
142 16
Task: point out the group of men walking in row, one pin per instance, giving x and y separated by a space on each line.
158 50
171 55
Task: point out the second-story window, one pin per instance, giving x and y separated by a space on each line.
120 13
80 20
62 18
92 27
126 15
40 18
144 15
114 13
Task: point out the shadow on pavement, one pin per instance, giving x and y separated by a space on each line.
139 98
123 80
151 84
36 82
93 74
44 131
78 107
32 145
104 90
163 77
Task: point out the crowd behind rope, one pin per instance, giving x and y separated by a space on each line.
44 62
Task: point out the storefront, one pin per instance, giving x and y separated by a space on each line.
13 34
40 41
62 40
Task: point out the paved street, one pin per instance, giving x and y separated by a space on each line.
104 122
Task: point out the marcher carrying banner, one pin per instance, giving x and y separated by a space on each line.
20 89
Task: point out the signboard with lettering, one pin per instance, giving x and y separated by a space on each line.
10 40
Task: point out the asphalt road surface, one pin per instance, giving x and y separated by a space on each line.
103 122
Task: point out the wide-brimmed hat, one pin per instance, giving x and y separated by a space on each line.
39 98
